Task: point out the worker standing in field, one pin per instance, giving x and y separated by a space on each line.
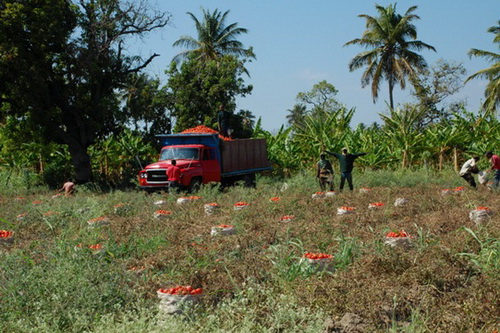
346 162
174 176
495 167
469 168
224 121
324 172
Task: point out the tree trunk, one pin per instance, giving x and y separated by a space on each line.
42 168
441 159
391 87
81 162
455 159
405 159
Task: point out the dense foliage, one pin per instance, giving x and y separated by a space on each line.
398 142
85 91
198 88
61 64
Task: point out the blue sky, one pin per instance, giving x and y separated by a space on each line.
299 43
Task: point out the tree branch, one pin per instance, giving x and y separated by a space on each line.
144 65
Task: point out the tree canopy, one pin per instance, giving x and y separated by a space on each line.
391 42
197 88
61 64
492 73
215 38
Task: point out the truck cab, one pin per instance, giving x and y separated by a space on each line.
198 164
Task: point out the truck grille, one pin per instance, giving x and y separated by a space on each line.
157 175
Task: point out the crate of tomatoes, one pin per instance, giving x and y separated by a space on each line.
177 299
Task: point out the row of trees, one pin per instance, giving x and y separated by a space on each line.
398 143
66 78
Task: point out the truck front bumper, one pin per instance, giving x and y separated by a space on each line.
154 188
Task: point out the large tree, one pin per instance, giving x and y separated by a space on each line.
321 98
433 86
390 40
215 38
209 75
492 74
197 88
61 64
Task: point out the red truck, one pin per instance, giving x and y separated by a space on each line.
205 158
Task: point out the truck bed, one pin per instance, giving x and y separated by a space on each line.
242 155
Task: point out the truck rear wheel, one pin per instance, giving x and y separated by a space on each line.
249 180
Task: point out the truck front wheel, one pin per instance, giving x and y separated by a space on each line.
194 185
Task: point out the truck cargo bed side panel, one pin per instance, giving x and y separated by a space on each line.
244 154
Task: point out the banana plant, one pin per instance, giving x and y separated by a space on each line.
400 129
442 138
370 140
282 150
323 131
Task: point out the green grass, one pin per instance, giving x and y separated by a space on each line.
256 280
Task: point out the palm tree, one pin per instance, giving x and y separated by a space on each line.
247 118
296 114
215 38
391 55
492 73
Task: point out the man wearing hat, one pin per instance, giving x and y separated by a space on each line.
324 172
346 162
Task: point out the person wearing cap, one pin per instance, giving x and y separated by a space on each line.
495 167
346 162
470 167
324 172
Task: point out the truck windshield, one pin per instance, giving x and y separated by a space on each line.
179 154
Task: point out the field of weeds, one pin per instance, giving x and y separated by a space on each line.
62 275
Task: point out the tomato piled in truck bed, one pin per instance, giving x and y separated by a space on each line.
204 130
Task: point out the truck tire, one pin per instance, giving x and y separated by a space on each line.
249 180
194 185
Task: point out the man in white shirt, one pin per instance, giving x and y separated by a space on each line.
470 167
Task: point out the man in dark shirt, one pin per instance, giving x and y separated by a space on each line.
346 162
174 176
224 119
324 172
